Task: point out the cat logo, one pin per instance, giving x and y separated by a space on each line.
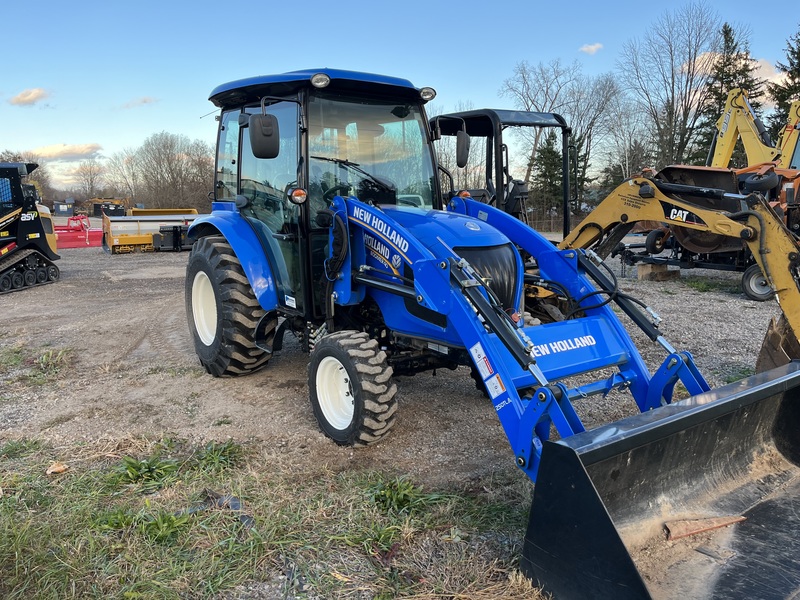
676 214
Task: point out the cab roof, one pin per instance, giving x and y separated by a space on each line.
252 89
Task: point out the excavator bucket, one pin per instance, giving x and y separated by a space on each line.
780 345
696 499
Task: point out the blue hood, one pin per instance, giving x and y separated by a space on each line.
455 230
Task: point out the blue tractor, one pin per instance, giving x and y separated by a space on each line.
332 220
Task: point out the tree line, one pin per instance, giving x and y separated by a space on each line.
167 171
659 107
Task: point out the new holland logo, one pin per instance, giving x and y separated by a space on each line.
396 260
375 223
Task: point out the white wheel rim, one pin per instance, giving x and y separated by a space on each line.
759 285
204 308
335 393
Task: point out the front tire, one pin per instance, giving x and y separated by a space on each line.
755 286
222 310
351 388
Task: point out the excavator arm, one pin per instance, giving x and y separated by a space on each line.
739 120
787 142
746 217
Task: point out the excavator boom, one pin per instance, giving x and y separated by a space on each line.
710 211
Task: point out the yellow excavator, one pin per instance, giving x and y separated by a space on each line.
771 170
718 207
27 238
739 121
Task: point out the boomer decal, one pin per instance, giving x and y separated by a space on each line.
381 253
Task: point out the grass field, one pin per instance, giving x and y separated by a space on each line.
162 519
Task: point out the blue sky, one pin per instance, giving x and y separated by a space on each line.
90 78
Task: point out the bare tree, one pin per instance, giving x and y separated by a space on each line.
473 175
168 171
667 70
627 136
582 100
587 112
89 174
540 88
122 173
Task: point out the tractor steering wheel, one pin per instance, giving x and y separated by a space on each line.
332 191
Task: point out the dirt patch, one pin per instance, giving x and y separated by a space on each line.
133 371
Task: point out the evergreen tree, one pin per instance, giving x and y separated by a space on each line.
579 181
546 178
733 68
783 94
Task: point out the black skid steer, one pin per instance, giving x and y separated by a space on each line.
27 237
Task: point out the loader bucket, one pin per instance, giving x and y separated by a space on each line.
604 498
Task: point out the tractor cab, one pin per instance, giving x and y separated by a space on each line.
288 144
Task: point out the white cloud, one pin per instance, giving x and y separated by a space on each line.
29 97
143 101
68 152
591 48
766 70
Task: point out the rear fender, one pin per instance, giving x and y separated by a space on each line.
247 247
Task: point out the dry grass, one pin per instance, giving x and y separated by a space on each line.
142 518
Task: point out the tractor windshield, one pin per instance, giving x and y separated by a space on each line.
378 152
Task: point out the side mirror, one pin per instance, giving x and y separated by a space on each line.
264 137
462 149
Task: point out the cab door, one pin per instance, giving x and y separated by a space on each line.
262 187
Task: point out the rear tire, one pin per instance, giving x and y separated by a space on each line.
222 310
755 286
351 388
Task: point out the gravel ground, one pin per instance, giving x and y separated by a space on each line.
133 371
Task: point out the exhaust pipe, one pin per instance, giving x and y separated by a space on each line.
720 467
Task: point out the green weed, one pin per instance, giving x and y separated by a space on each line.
152 472
217 456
